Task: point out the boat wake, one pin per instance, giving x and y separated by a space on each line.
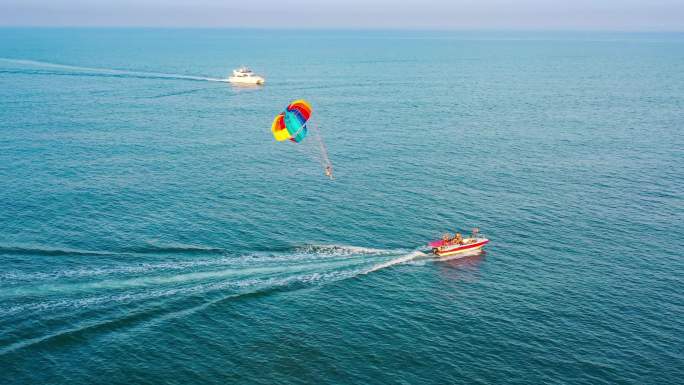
108 72
397 261
77 281
129 290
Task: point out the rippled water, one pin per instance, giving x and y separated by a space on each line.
151 231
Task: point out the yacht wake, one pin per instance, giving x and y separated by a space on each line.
110 71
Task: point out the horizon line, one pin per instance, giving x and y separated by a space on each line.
342 29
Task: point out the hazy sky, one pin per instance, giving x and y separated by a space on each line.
627 15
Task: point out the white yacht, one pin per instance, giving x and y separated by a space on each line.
244 75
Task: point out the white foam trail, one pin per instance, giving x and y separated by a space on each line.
396 261
253 285
109 71
310 258
304 254
308 277
342 250
307 264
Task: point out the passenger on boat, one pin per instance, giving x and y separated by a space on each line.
458 239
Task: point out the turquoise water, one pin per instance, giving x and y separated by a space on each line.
152 232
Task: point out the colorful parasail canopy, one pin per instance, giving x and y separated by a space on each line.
291 123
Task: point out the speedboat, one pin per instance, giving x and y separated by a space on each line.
244 75
456 245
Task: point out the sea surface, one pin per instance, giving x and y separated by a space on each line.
153 232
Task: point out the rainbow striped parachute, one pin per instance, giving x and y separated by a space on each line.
291 123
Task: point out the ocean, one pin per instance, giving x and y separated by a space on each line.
153 232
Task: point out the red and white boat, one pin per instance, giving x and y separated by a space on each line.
445 246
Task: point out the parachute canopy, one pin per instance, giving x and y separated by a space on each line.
291 123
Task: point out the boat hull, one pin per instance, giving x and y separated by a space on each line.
246 80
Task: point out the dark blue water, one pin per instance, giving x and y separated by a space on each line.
153 232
